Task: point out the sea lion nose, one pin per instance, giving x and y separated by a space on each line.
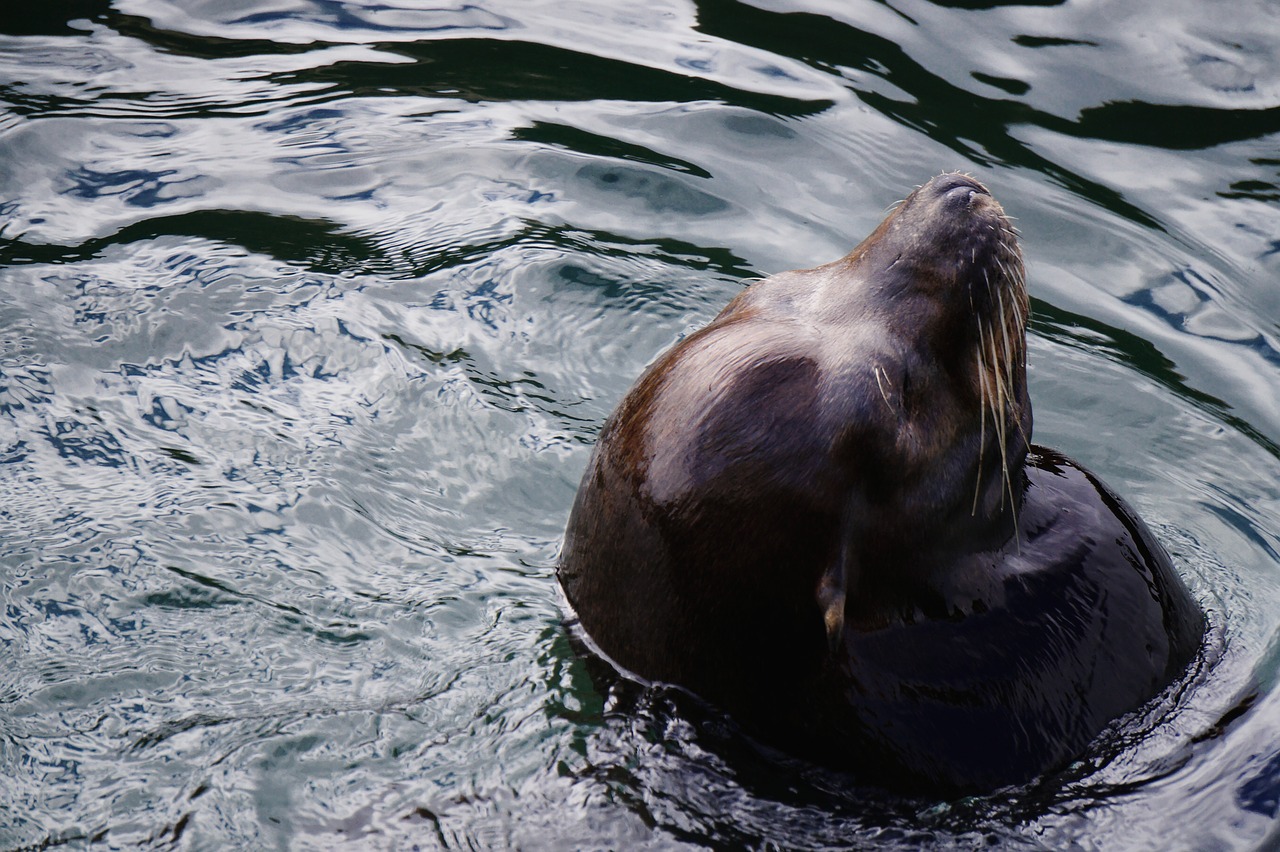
957 185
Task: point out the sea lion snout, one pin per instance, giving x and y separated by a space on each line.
958 184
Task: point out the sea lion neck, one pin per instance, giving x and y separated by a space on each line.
926 320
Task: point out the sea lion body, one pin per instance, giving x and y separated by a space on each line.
801 508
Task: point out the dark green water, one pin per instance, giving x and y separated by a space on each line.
310 312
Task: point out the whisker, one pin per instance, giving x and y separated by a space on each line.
877 370
982 409
1001 360
998 414
1004 331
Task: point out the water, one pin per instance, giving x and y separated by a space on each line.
310 312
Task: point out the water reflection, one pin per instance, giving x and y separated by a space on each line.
309 317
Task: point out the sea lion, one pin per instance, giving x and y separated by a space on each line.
823 514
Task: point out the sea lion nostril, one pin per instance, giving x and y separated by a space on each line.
957 184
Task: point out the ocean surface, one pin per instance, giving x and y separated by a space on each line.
310 312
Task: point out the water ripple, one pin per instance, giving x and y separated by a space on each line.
310 314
